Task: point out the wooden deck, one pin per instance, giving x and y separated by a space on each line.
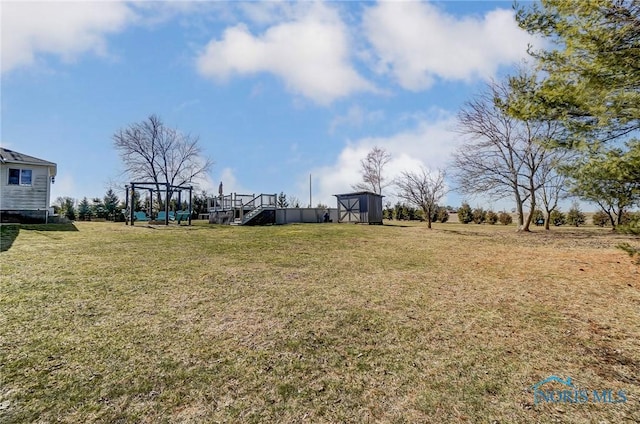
240 209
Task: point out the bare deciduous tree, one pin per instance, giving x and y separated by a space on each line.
502 156
422 189
294 202
552 184
152 151
372 168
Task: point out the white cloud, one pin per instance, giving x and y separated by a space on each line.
356 116
429 144
309 53
419 43
267 12
230 183
64 29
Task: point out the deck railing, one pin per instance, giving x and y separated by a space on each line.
242 202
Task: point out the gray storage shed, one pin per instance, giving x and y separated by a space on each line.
361 207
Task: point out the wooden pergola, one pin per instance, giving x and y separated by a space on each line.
153 187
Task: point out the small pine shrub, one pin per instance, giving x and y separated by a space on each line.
575 216
491 217
465 214
633 228
479 215
411 214
505 218
558 218
629 218
443 215
601 219
400 212
70 214
538 217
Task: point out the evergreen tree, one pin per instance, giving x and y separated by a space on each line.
111 204
505 218
69 208
611 179
592 82
442 214
557 218
97 208
575 216
478 215
84 210
538 216
465 214
282 201
199 203
492 217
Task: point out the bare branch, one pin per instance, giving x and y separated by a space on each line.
372 168
151 151
503 156
422 189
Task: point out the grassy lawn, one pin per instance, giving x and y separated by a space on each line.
314 323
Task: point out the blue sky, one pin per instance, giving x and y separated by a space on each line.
274 90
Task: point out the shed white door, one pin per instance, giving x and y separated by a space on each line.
349 209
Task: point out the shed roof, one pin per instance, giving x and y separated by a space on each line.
358 193
11 156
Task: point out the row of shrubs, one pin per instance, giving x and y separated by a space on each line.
467 215
574 216
402 212
601 219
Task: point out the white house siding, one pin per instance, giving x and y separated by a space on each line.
16 197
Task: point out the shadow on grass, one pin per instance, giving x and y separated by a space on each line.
9 233
395 224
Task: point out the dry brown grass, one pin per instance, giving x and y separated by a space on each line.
315 323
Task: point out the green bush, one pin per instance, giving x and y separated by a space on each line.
400 211
387 212
491 217
479 215
442 214
630 218
465 214
575 216
538 216
557 218
601 219
413 214
505 218
632 228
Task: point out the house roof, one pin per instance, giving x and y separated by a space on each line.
11 156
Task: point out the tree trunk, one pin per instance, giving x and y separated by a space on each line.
527 222
519 209
532 194
547 219
620 217
612 220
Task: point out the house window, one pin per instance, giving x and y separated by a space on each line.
20 176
